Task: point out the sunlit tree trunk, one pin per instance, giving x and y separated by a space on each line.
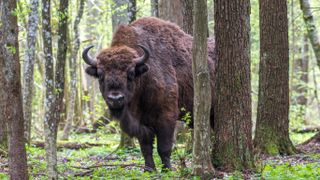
29 67
201 160
311 28
12 96
232 111
74 74
50 122
272 127
302 67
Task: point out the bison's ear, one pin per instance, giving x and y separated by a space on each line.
140 69
92 71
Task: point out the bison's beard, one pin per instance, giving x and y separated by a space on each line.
117 112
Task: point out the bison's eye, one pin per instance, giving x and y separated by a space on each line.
131 75
100 74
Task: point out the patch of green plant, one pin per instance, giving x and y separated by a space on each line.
292 172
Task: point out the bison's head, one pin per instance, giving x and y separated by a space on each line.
117 69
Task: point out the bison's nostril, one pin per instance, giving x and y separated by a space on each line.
117 97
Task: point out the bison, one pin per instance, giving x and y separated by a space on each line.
145 78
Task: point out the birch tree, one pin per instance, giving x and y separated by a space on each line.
50 122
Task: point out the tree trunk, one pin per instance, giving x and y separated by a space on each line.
155 8
50 122
202 93
171 11
61 58
233 141
12 96
311 28
187 22
29 67
272 127
3 128
74 74
132 10
302 87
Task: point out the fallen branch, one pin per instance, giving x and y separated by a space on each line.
85 173
114 165
307 129
68 145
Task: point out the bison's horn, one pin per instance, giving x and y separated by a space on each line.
87 58
143 59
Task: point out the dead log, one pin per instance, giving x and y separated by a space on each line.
307 129
68 145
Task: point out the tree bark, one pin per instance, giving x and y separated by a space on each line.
233 141
187 22
171 11
74 74
12 96
155 8
272 127
3 128
202 94
302 77
311 28
29 67
50 122
61 59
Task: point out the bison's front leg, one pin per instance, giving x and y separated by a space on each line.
165 141
146 145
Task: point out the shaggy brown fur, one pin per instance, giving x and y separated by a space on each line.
155 92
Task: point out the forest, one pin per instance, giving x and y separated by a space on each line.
159 89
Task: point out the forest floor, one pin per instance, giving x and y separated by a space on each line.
103 160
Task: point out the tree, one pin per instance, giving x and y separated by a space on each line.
155 8
177 11
28 68
311 28
302 67
232 127
50 122
61 58
272 127
74 74
3 128
202 93
12 97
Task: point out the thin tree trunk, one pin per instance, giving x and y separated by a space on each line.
272 127
311 28
50 122
3 128
232 126
155 8
61 58
29 67
10 72
132 10
302 88
202 94
74 74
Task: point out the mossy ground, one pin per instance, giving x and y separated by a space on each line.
304 166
